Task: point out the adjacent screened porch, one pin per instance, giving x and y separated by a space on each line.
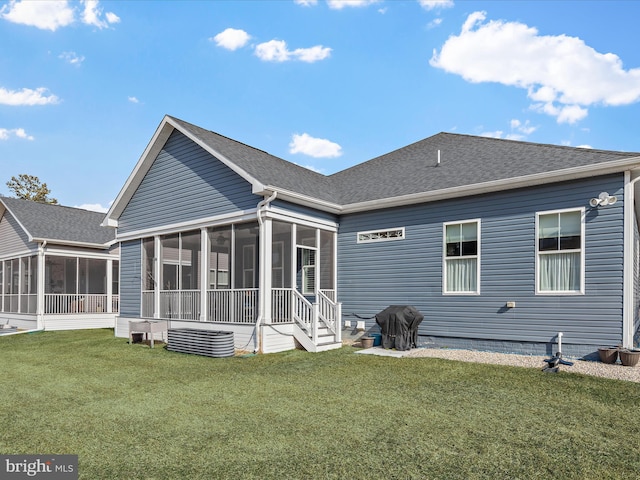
75 285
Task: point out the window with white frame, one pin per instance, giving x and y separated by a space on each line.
560 251
462 257
308 266
381 235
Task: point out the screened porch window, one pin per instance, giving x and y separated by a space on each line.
219 258
560 246
462 257
18 280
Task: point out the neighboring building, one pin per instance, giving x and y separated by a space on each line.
59 268
500 244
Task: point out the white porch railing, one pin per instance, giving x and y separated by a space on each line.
180 304
281 305
330 294
329 314
233 306
303 314
56 303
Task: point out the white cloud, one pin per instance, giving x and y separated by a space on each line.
277 51
340 4
92 15
519 131
314 147
53 14
273 51
435 23
6 134
46 15
435 4
231 38
112 17
306 3
526 128
72 58
27 96
94 207
561 74
133 99
312 54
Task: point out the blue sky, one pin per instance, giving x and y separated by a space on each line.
324 84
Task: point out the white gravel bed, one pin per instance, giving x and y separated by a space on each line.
598 369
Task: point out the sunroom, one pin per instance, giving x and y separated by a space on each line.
226 275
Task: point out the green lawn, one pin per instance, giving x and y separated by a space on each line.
132 412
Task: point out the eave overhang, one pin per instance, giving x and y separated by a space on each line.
567 174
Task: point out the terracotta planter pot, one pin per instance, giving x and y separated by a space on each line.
629 358
366 342
608 354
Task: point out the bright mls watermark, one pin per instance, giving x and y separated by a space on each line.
49 467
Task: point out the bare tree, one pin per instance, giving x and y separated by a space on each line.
29 187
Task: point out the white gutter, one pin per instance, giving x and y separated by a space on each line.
71 243
265 292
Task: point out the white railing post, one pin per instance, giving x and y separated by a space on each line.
339 322
314 322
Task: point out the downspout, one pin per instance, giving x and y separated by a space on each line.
262 208
628 314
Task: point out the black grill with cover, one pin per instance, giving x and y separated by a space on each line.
399 326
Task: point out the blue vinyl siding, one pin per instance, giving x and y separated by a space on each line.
375 275
302 210
185 183
130 281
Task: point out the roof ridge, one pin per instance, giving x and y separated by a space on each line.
57 205
526 142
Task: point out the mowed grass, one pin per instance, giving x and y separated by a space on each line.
131 412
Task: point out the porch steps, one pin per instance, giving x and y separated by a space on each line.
325 340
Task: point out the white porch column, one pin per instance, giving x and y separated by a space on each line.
157 274
109 286
294 256
204 273
317 265
266 253
40 287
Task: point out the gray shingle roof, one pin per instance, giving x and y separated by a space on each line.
264 167
57 223
465 160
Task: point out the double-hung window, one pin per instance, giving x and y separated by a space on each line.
560 251
461 257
